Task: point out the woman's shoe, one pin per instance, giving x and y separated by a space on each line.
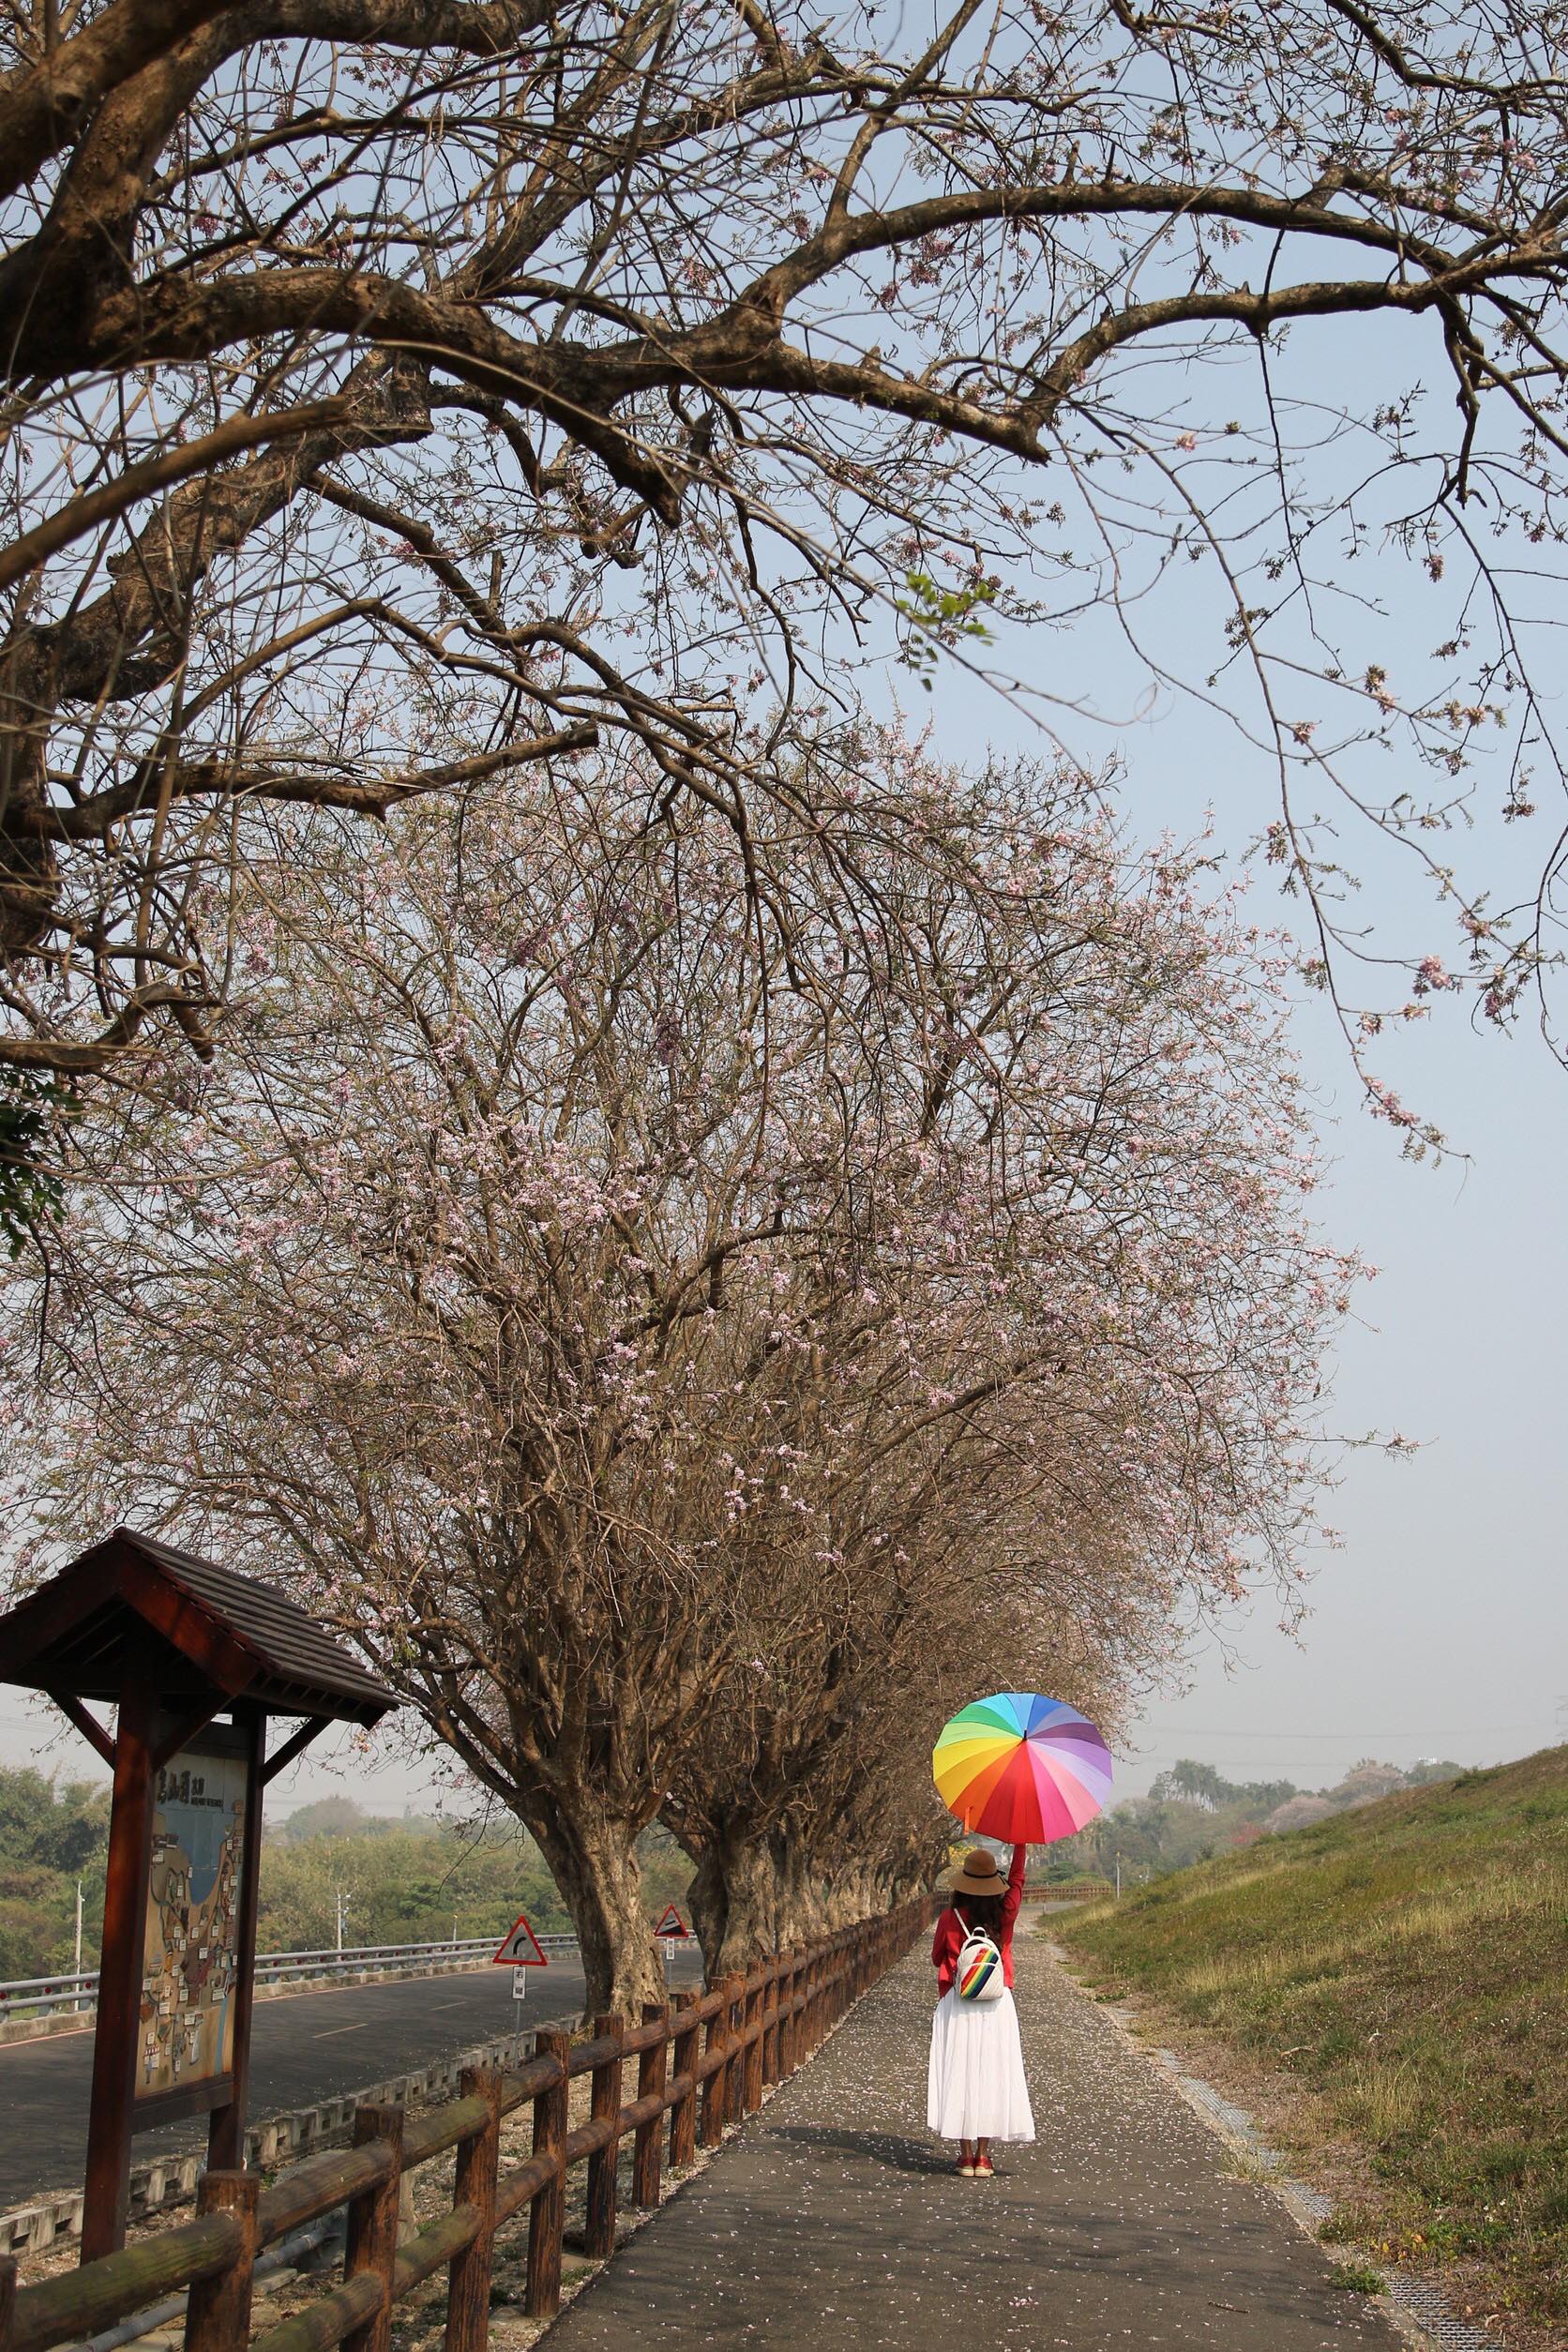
983 2170
966 2169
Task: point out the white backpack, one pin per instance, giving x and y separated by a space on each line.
980 1975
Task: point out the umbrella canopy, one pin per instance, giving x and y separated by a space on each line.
1022 1767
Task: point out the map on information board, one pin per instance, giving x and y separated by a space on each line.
187 2024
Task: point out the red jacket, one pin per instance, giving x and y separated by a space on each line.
951 1930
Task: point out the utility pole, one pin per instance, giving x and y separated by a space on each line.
1119 1878
343 1909
77 1962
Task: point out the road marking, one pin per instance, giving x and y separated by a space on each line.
336 2030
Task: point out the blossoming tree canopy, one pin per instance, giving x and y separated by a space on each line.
405 394
563 1318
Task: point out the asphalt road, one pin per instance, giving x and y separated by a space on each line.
305 2047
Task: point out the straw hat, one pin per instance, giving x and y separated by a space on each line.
977 1874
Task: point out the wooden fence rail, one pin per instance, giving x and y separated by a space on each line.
753 2031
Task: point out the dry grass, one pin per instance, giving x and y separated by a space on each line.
1405 1965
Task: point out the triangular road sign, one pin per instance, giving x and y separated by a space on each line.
520 1948
671 1925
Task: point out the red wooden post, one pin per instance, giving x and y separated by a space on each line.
682 2116
786 1989
107 2189
648 2146
468 2282
792 2023
771 1984
751 2080
605 2107
218 2310
712 2089
734 2042
226 2132
372 2232
548 2213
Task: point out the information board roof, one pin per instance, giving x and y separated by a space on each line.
209 1627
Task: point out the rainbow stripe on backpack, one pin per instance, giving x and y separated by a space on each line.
978 1963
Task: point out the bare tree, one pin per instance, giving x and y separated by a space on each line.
560 1321
400 390
805 1794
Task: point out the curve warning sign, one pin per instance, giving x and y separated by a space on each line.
519 1948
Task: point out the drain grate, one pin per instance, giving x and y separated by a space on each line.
1426 2307
1417 2301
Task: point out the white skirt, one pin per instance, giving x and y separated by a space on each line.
976 2088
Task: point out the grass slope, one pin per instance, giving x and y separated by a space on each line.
1408 1963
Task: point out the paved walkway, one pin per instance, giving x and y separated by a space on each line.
830 2224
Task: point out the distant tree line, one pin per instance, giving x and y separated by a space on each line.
1192 1813
402 1882
53 1833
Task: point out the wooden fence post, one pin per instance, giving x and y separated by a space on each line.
734 2042
682 2116
605 2107
788 1979
547 2214
792 2024
712 2089
468 2282
770 2016
648 2146
373 2230
218 2310
756 2006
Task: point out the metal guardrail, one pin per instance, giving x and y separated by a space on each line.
35 1996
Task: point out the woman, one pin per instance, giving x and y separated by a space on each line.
976 2090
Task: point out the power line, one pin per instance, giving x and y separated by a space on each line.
1452 1731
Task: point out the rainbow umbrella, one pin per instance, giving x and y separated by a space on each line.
1022 1767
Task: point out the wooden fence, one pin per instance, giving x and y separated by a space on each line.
703 2061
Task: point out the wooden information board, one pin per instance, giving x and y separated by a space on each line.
186 2032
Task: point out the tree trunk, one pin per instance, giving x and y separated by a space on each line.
734 1901
592 1859
847 1897
801 1910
